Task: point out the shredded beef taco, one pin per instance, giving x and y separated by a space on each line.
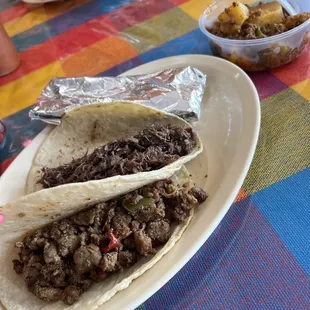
72 255
120 141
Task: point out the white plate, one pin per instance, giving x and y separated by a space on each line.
229 128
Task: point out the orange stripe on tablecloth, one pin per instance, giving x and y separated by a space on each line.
24 92
35 17
241 195
61 46
92 60
74 40
98 57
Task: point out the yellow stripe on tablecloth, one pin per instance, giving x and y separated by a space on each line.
195 8
26 22
24 92
303 88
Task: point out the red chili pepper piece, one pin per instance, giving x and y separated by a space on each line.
114 242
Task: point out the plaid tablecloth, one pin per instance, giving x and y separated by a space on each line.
259 256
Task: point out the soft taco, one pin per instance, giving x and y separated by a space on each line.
120 141
70 254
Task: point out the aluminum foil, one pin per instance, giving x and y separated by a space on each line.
177 91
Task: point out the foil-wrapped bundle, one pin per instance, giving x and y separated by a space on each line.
177 91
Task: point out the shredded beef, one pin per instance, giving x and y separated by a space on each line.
150 149
50 253
48 293
63 259
18 266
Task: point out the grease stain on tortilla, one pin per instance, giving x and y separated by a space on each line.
93 132
48 205
21 214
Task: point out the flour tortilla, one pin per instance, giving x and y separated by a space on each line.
35 210
86 128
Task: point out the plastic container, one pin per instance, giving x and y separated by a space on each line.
257 54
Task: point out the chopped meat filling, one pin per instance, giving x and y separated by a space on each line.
63 259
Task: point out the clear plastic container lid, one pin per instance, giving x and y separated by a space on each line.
258 54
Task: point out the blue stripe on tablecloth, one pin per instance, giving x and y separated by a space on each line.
5 4
20 130
243 265
286 205
64 22
123 67
193 42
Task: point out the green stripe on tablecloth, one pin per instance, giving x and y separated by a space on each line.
159 30
283 148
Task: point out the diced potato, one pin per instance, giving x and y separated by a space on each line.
228 28
224 18
238 12
233 17
227 25
266 13
296 20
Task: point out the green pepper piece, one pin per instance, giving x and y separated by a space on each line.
170 189
259 33
284 50
144 202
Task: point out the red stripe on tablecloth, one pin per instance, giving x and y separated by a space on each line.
15 12
80 37
60 46
4 165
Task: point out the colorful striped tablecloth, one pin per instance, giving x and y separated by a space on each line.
259 256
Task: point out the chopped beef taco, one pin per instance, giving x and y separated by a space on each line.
77 255
120 141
